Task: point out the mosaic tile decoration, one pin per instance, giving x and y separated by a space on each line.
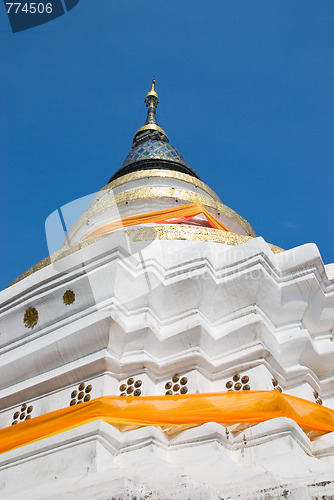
152 150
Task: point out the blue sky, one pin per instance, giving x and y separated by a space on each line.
246 95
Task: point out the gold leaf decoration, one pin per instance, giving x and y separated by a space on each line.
30 317
68 297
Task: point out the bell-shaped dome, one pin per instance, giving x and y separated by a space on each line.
151 148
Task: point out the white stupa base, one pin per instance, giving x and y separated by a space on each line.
202 310
274 459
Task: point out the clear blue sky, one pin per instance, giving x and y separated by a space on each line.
246 92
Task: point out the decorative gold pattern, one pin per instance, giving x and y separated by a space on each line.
68 297
30 317
276 386
156 172
21 415
238 385
128 387
174 389
79 397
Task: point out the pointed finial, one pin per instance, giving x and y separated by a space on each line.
151 129
151 99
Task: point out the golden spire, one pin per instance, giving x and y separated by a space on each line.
151 127
151 99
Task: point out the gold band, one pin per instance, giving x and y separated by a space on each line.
157 172
192 233
151 126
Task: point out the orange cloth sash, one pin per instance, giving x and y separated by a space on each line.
225 408
191 209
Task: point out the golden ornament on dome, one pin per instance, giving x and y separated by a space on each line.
68 297
30 317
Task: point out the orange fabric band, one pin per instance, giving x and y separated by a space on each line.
191 209
225 408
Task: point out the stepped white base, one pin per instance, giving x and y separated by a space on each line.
200 309
273 459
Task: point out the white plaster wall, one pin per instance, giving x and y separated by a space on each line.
150 310
273 459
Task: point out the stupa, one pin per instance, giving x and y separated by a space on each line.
167 352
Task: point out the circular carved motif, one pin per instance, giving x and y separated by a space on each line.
68 297
30 317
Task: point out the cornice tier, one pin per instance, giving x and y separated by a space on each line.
150 232
226 452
